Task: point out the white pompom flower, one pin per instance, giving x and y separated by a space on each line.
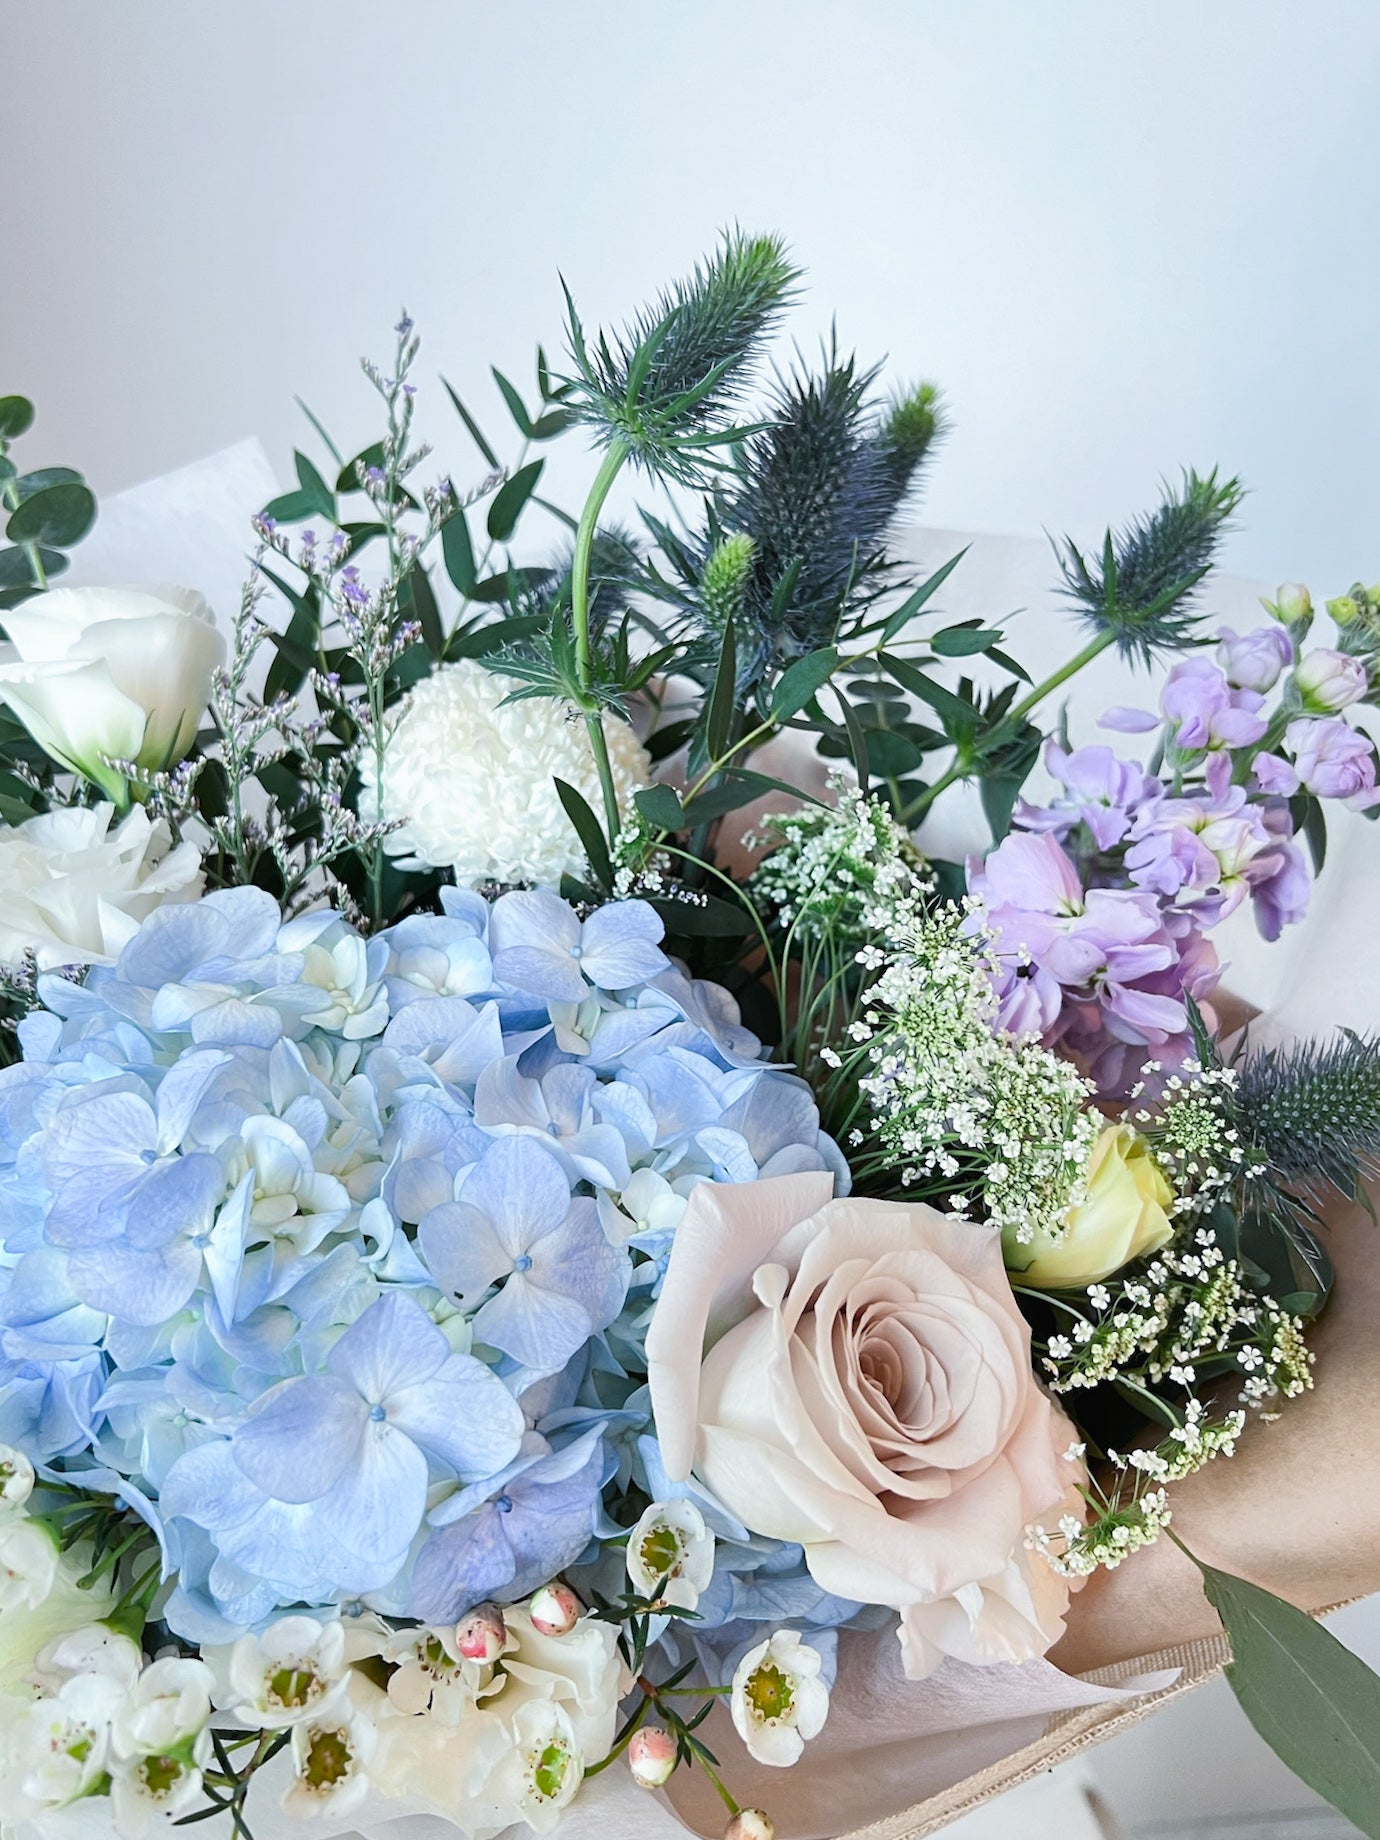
473 784
779 1700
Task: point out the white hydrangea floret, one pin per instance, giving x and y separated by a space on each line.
471 781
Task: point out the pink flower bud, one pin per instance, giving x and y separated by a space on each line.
750 1824
651 1757
555 1610
480 1636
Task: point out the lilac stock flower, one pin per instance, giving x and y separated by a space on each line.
1100 791
1330 759
1329 681
1204 711
540 945
516 1227
510 1536
1255 660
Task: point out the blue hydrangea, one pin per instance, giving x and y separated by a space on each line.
337 1252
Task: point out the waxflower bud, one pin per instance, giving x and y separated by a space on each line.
1329 681
16 1478
750 1824
651 1757
555 1610
1292 607
481 1635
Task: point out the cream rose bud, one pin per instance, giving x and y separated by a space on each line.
855 1377
671 1554
1123 1217
779 1700
112 674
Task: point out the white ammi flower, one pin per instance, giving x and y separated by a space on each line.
75 887
474 784
779 1700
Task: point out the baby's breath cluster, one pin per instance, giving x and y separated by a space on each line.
1121 1528
848 868
1186 1316
1000 1120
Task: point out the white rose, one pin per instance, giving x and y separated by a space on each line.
111 673
74 892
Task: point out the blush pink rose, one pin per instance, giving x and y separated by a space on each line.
855 1377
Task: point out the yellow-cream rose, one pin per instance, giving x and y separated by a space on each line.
855 1377
1123 1217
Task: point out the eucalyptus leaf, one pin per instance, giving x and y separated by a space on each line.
906 612
476 433
16 571
28 483
964 640
16 416
803 680
510 500
722 697
661 806
457 552
60 515
589 830
1315 1704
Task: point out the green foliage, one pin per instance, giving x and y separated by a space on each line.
1310 1112
47 512
659 389
1140 595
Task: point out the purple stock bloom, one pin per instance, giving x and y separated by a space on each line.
1255 660
1204 711
515 1226
1100 791
541 947
1331 760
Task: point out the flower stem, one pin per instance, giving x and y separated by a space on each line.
1093 649
609 470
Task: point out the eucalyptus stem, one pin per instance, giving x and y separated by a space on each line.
1093 649
609 470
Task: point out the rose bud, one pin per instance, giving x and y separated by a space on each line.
555 1610
651 1757
480 1636
750 1824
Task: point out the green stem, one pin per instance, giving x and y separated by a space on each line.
609 470
1093 649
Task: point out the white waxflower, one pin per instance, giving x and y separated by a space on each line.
779 1700
75 885
295 1670
475 783
542 1771
111 674
94 1648
671 1553
330 1761
16 1478
160 1744
431 1675
59 1746
28 1564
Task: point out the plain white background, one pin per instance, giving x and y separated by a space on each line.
1122 237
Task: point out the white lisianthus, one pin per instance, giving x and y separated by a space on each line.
16 1478
160 1744
74 890
296 1670
671 1554
779 1700
102 674
474 784
330 1758
28 1564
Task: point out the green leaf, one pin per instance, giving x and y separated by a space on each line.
516 407
314 488
554 422
417 601
665 741
962 641
589 830
715 919
479 641
476 433
958 716
457 552
327 442
891 753
16 572
296 648
723 696
1315 1704
506 586
289 508
803 680
660 805
857 741
16 416
28 483
510 499
61 515
909 607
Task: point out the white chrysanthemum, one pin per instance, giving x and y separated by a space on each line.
475 783
75 884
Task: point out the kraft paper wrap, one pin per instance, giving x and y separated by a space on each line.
1295 1510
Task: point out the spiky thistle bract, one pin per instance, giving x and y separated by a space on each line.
663 386
1140 593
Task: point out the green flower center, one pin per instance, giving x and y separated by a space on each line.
549 1771
660 1550
294 1684
161 1775
769 1692
328 1759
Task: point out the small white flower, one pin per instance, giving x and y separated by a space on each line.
160 1744
330 1760
474 780
94 1648
671 1554
294 1671
347 970
544 1769
779 1700
16 1478
162 1784
28 1564
60 1745
431 1675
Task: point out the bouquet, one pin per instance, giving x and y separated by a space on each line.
504 1276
